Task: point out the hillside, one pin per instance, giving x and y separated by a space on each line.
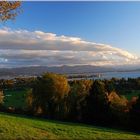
19 127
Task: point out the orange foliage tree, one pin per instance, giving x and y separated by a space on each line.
9 9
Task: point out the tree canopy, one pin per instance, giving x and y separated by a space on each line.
49 90
9 9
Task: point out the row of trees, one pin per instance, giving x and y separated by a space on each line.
17 83
87 101
113 84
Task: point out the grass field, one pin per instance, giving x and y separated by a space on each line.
15 98
132 93
19 127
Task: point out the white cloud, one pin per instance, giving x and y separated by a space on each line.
22 47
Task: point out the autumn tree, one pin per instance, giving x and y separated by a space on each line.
119 108
1 97
9 9
48 95
118 103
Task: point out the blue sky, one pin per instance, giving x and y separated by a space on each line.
114 23
111 23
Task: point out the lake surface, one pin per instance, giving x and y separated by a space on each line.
109 75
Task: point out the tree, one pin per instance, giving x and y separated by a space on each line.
1 97
77 98
119 108
135 114
48 94
109 86
97 109
9 9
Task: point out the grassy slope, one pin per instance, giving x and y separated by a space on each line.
17 127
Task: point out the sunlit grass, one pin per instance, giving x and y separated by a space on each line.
19 127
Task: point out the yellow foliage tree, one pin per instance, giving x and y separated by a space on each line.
48 93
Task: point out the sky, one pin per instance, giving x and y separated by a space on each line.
72 33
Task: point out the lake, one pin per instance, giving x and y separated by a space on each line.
108 75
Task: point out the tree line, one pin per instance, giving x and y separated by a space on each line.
88 101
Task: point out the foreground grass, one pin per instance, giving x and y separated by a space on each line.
19 127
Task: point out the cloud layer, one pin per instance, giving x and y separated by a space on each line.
26 48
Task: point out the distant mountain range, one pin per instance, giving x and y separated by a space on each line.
38 70
61 69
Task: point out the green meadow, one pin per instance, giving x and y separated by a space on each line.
15 98
21 127
132 93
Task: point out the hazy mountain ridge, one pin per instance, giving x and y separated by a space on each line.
38 70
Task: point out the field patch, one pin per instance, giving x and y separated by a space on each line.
132 93
15 98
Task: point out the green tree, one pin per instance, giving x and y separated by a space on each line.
77 98
135 114
97 109
109 85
